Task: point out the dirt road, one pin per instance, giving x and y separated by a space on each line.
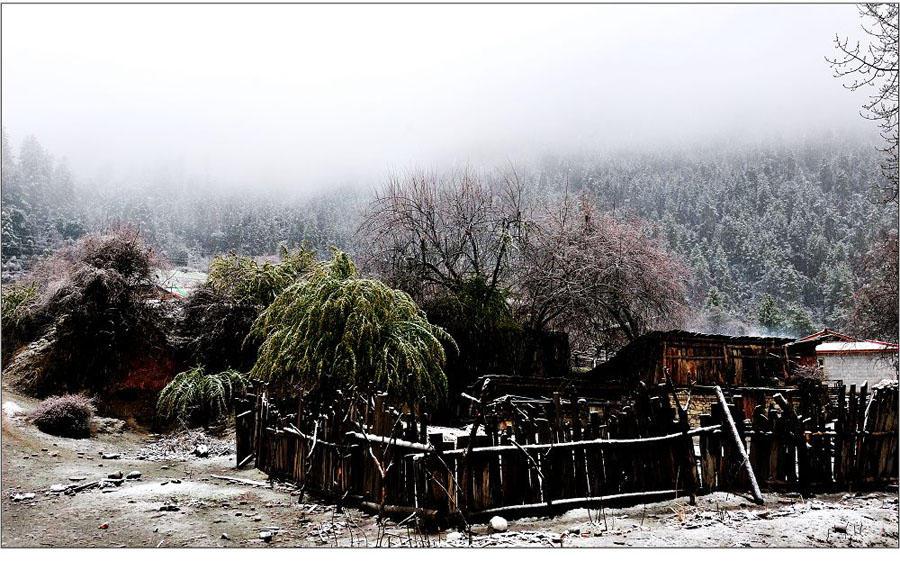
207 512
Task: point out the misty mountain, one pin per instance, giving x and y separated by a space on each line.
785 226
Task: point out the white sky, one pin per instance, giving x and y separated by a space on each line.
310 95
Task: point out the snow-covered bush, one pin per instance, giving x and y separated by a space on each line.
67 416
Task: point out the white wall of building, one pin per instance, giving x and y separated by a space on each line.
859 368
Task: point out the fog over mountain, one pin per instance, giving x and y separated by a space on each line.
302 98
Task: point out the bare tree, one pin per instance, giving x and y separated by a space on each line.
553 261
875 65
602 279
428 232
875 311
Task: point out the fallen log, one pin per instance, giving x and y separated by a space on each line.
242 481
83 487
579 502
745 459
748 389
399 510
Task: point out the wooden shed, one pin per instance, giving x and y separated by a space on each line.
697 358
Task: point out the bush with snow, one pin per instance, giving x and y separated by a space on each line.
67 416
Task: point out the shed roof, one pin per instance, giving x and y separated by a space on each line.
822 334
854 347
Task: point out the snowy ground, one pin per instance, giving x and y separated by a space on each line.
214 512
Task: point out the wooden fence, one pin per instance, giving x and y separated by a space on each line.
388 460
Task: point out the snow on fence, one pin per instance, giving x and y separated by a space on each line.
388 461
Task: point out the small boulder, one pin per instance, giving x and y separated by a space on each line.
107 425
498 524
454 536
116 475
57 488
201 451
266 536
111 456
134 475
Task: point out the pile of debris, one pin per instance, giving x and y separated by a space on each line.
186 445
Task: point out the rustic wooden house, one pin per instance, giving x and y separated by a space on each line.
697 358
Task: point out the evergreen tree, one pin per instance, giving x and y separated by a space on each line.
768 315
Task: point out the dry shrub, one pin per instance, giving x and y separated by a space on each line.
90 297
66 416
213 330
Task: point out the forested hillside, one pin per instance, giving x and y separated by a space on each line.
793 223
775 236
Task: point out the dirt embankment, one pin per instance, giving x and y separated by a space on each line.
199 509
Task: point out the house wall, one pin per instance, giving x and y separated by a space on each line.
857 369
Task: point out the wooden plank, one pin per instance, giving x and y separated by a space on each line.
738 440
709 457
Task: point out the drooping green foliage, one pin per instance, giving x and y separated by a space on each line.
337 331
17 301
244 280
194 393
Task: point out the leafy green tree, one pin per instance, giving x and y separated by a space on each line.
337 331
